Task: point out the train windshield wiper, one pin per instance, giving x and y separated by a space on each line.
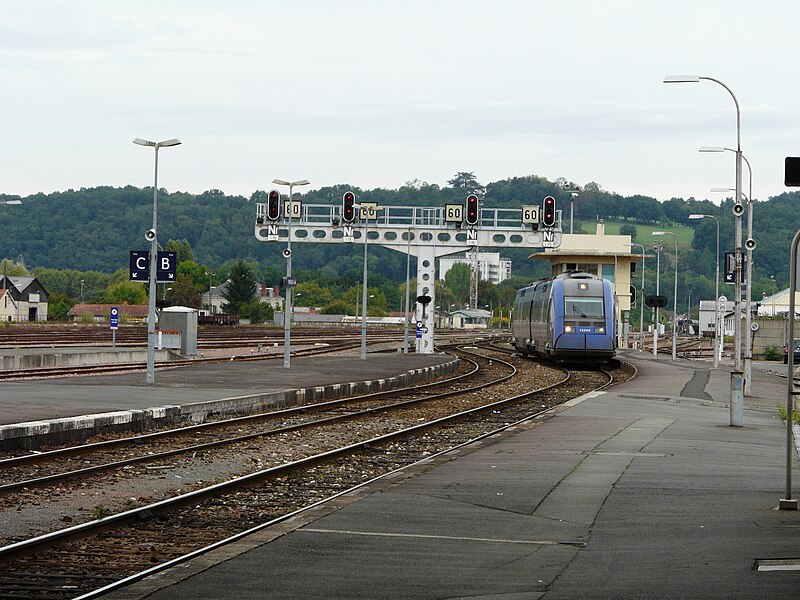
577 311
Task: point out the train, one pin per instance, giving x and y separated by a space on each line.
569 318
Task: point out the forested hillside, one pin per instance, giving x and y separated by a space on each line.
95 228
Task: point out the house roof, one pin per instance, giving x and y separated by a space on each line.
104 310
21 282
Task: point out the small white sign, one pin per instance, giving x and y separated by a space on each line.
454 213
530 215
296 206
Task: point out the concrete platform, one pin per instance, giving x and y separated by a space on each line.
644 491
36 412
76 356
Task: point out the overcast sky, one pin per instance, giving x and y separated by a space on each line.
377 93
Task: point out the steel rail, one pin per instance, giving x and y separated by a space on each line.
56 477
27 547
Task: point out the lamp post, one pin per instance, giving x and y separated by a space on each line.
657 248
674 297
572 196
737 385
408 290
717 341
748 371
365 214
774 293
641 300
748 350
287 302
81 291
210 275
153 236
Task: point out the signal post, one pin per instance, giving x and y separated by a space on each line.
425 232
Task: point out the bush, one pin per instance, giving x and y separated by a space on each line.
772 353
259 312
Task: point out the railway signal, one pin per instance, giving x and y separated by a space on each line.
348 207
656 301
472 209
274 205
549 211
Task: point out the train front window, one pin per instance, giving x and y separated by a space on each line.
583 308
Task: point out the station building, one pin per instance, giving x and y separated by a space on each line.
607 256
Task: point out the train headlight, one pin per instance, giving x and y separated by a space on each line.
567 328
601 330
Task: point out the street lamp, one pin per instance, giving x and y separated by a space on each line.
717 344
153 236
774 293
210 275
287 302
657 249
572 196
748 349
641 300
674 297
408 291
365 214
737 385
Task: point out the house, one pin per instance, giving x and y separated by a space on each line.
214 298
707 316
465 319
99 313
22 299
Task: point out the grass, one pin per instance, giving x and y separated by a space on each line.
644 232
795 415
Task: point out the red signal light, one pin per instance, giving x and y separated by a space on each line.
472 209
274 205
348 207
549 211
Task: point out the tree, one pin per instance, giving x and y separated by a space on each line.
185 292
182 248
124 291
466 181
310 293
13 269
457 279
58 307
628 229
241 288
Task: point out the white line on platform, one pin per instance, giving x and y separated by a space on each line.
443 537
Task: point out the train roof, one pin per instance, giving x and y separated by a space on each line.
576 275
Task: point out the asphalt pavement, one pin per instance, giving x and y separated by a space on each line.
641 491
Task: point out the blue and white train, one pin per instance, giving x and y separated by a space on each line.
569 318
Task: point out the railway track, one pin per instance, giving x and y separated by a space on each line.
294 471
